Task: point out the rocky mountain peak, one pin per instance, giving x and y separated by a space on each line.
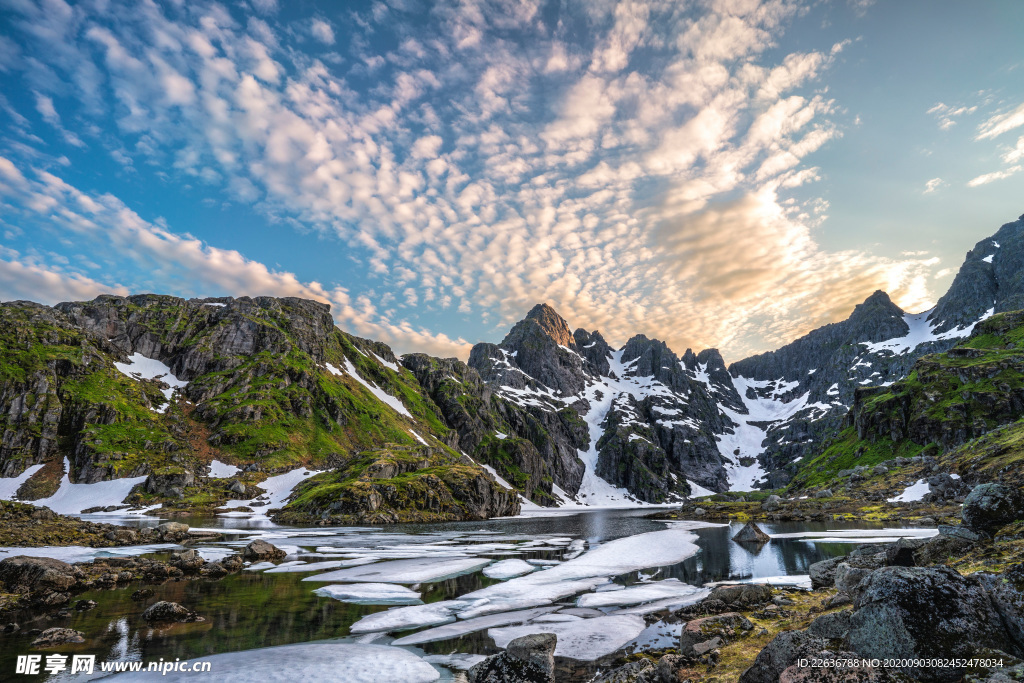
541 321
989 279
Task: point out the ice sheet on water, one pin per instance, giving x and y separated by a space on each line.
260 566
341 662
423 570
371 594
73 498
301 566
458 661
10 485
586 640
667 603
520 596
634 595
77 553
462 627
859 535
405 618
508 569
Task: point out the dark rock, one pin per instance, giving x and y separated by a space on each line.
1006 591
940 548
989 507
914 612
10 628
782 652
85 605
839 599
833 626
960 531
142 594
172 532
24 573
232 563
701 635
741 596
848 674
261 551
901 553
532 663
164 611
823 574
627 673
58 636
751 533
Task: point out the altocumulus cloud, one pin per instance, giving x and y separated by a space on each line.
630 163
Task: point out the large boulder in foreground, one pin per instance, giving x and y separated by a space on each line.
23 573
784 650
163 611
990 507
741 596
823 574
917 612
261 551
700 636
1006 591
529 659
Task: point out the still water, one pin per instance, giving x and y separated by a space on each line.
254 610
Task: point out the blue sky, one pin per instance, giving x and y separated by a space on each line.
727 173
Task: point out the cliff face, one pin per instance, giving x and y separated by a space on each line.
159 386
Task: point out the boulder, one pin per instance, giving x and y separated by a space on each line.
989 507
824 493
751 533
855 674
823 574
164 611
913 612
172 532
901 553
58 636
783 651
849 578
23 573
1006 591
742 595
961 531
699 636
628 673
169 485
940 548
530 659
261 551
833 626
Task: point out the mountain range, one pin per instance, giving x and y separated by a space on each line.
158 388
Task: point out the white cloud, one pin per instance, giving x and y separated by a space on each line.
994 176
322 31
998 124
933 185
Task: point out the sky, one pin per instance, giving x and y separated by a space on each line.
713 173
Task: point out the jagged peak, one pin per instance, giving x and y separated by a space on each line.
544 319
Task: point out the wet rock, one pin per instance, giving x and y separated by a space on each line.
58 636
699 636
232 563
142 594
778 655
530 659
10 628
187 560
85 605
914 612
172 532
23 573
164 611
989 507
261 551
751 533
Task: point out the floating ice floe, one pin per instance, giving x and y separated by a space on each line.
10 485
859 535
73 498
406 618
462 627
371 594
260 566
300 566
77 553
423 570
633 595
508 569
342 662
586 640
458 661
797 580
672 604
912 493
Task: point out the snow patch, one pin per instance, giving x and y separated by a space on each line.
73 498
10 485
912 493
921 331
140 367
220 470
